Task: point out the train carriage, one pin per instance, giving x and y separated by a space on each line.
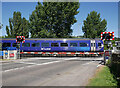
55 45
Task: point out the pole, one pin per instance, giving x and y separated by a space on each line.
18 50
104 58
19 53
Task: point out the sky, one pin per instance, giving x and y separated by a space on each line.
107 10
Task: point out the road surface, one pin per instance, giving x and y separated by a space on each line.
50 71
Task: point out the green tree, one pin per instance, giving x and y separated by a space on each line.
2 36
53 19
17 26
1 25
93 25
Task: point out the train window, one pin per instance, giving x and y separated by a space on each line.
91 44
64 44
99 44
35 44
118 44
45 44
54 45
118 48
6 45
26 45
14 44
73 44
83 44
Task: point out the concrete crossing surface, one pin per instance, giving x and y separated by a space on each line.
49 71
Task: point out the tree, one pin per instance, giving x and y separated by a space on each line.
53 19
17 26
1 25
93 25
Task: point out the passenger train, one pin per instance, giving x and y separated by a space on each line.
55 45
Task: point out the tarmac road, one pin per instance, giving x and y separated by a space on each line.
71 71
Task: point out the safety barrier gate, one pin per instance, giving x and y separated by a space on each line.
64 53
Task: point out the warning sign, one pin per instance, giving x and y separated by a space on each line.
107 53
11 54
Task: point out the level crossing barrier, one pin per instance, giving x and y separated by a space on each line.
64 53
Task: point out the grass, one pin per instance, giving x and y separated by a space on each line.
103 77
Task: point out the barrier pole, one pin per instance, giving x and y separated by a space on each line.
104 58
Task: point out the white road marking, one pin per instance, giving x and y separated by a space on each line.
27 63
98 65
88 63
34 64
30 66
4 63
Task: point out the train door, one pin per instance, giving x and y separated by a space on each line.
93 45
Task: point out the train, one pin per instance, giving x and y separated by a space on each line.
54 45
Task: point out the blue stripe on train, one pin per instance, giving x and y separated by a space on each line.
79 48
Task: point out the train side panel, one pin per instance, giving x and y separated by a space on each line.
46 45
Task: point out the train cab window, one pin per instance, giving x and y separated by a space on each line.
45 45
35 44
26 45
6 45
73 44
14 45
99 44
64 44
54 45
83 44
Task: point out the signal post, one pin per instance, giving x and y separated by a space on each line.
107 37
19 39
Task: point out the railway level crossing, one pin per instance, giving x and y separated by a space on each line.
104 36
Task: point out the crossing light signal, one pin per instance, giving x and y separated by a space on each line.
107 36
20 39
110 34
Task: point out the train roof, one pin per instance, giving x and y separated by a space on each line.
51 39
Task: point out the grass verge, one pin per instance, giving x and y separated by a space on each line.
103 77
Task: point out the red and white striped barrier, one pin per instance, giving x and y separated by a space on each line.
64 53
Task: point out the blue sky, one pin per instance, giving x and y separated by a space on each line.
108 11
